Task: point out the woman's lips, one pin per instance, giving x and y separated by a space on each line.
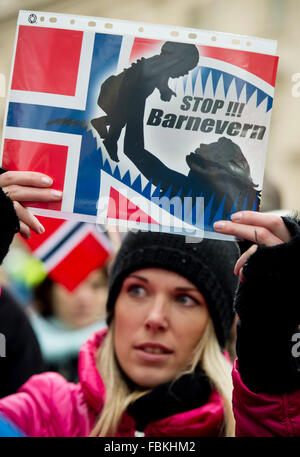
153 351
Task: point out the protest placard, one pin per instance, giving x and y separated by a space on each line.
147 126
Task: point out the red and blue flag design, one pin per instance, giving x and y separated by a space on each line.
51 98
55 84
70 250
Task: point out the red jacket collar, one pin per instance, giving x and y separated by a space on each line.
203 421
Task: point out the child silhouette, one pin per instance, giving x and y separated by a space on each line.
123 97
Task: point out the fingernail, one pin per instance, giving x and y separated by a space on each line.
219 225
48 181
236 216
56 193
41 229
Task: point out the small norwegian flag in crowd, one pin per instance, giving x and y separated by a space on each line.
70 250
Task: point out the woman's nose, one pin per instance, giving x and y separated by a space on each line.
158 315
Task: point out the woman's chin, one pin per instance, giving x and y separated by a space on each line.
148 380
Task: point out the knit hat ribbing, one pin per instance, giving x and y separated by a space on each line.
208 264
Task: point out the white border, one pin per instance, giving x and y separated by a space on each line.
147 30
63 139
80 217
124 56
77 101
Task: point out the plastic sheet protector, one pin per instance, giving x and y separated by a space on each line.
140 125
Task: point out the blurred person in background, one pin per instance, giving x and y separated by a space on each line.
64 320
271 199
20 355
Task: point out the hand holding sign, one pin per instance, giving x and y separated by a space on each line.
260 228
22 186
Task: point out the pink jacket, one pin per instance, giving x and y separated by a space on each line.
47 405
264 414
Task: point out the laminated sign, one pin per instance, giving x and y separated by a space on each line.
145 126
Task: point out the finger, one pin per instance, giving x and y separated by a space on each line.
243 259
23 194
28 218
25 178
258 235
24 230
272 222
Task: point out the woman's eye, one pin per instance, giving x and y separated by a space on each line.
186 300
136 291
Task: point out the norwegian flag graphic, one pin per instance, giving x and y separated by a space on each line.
51 100
70 250
56 78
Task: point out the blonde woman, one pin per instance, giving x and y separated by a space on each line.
160 368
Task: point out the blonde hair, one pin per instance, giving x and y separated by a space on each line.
119 396
218 369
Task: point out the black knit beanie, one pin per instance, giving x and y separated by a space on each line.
208 265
